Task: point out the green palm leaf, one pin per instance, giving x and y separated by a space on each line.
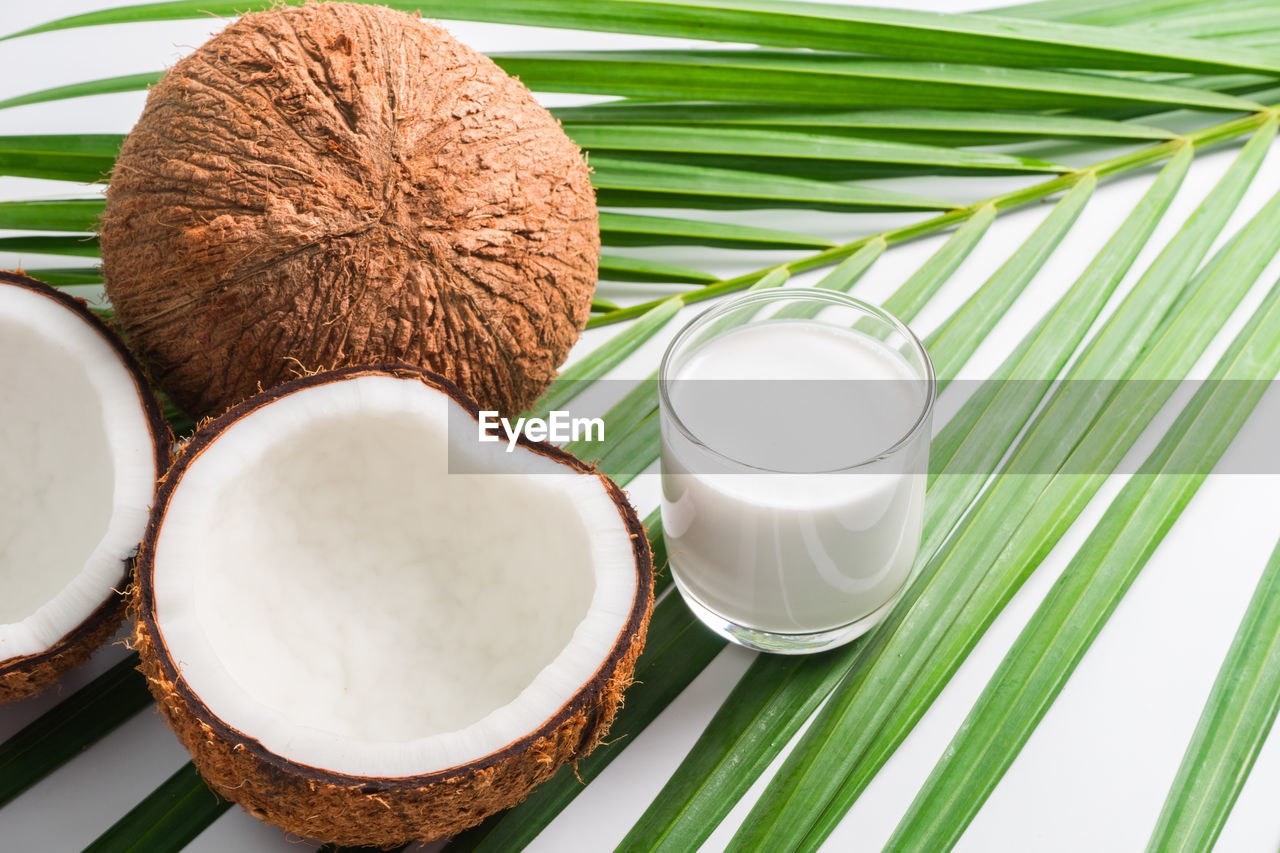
821 80
900 33
1237 717
629 229
991 300
615 268
1122 12
765 145
1224 23
839 80
978 435
573 380
926 281
635 182
73 214
922 642
107 86
852 268
85 247
920 125
774 698
83 157
66 276
1116 165
1075 610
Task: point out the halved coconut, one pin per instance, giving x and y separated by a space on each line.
82 444
367 626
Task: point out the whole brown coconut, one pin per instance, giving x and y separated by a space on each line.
342 184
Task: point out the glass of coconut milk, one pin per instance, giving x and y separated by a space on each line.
795 446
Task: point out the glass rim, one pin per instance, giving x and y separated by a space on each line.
813 294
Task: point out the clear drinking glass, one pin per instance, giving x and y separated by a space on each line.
795 446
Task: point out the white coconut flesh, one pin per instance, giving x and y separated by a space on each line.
329 582
77 470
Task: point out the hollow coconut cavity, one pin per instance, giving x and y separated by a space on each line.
367 626
343 184
82 444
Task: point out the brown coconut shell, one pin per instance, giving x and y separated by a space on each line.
342 184
360 810
27 675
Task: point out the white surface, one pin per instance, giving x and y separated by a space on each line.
525 574
1096 772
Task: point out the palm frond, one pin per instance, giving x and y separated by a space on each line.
801 79
924 126
769 145
787 126
1025 42
1232 729
640 183
951 344
629 229
615 268
66 276
1075 610
968 580
774 698
571 382
834 80
85 247
76 214
925 282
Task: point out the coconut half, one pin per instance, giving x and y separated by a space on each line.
370 628
82 444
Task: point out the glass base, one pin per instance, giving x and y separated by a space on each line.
783 644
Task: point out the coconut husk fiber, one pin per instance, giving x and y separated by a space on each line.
28 675
342 184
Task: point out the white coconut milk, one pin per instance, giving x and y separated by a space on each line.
774 518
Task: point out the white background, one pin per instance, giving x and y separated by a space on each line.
1094 775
